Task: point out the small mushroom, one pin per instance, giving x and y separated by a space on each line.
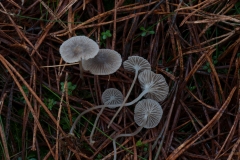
110 97
147 114
136 64
78 48
106 62
154 84
133 64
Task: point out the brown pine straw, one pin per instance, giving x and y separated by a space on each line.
4 143
188 37
8 66
36 109
99 16
51 23
185 145
237 143
20 33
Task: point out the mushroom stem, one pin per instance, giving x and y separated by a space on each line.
103 106
95 123
80 115
125 99
126 135
81 70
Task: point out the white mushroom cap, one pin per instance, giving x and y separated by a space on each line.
136 63
106 62
149 110
155 84
112 96
77 48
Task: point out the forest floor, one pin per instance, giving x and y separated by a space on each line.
194 44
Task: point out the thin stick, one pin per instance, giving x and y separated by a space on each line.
59 65
4 142
59 114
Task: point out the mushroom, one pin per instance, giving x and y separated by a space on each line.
106 62
110 96
153 85
78 48
133 64
147 114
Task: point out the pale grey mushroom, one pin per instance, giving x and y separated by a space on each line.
134 64
147 114
106 62
78 48
155 84
112 96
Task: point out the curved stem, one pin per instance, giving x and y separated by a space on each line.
95 124
137 99
126 135
134 80
80 115
103 106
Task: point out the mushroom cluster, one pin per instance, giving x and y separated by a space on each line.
148 112
86 51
